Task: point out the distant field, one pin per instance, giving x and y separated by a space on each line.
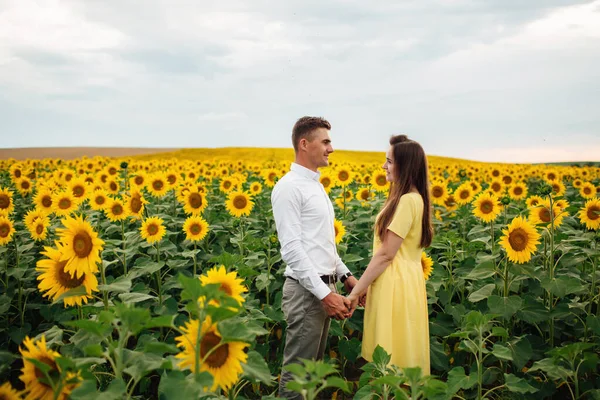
68 153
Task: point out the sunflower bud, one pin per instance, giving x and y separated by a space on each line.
505 200
124 165
544 189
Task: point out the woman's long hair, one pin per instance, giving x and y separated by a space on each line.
410 169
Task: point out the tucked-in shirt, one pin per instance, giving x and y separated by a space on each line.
304 219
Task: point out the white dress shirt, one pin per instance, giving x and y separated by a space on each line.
304 218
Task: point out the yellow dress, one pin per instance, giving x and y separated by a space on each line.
396 314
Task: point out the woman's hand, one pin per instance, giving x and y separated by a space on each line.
354 300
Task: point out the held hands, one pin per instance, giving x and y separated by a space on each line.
337 306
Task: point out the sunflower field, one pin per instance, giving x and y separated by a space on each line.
160 277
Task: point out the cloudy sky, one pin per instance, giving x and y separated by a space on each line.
490 80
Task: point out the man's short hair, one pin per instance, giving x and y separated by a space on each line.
305 126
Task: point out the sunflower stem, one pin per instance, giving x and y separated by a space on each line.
158 278
123 247
195 258
104 292
551 265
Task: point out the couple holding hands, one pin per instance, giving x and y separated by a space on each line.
396 314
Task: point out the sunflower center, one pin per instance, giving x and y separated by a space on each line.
157 185
486 207
534 202
226 184
437 192
100 200
171 179
82 244
113 186
495 173
496 187
39 374
326 182
25 185
136 204
555 188
587 190
450 201
64 204
464 194
551 176
518 190
195 229
593 212
219 356
336 230
364 195
518 239
78 191
545 215
65 279
381 180
240 202
195 200
4 230
117 209
68 177
17 173
225 288
4 201
152 229
343 176
39 229
138 180
46 201
507 180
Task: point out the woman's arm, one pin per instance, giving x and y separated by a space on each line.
380 261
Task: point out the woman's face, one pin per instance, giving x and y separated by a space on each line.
389 165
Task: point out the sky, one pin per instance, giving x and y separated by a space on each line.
486 80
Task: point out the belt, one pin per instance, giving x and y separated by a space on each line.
328 279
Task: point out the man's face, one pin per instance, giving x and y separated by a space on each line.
319 148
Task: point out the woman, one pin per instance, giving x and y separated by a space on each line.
396 314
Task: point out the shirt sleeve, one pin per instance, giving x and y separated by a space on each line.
287 206
403 217
340 267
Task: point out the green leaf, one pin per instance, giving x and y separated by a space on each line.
78 291
350 349
458 380
501 352
553 370
134 297
533 312
118 286
504 306
518 385
482 293
175 385
140 364
256 369
593 323
562 285
95 327
350 258
337 382
482 271
380 356
521 351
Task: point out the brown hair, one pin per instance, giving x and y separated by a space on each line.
410 169
304 127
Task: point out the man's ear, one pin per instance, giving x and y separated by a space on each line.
302 144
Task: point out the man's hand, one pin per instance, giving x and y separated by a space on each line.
336 306
349 284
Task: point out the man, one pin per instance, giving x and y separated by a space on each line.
304 218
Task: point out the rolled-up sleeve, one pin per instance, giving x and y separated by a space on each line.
287 204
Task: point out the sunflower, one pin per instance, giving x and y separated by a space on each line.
497 187
195 228
487 207
230 283
81 246
7 230
520 240
339 230
464 194
344 176
99 199
587 190
364 195
39 228
379 181
43 200
590 214
450 203
138 180
577 183
112 186
542 215
134 203
194 202
426 265
222 360
8 393
32 216
270 176
55 280
79 189
152 229
507 179
327 181
558 188
6 202
16 171
239 203
439 192
24 186
115 210
227 185
36 386
255 188
63 203
533 200
157 185
517 191
172 179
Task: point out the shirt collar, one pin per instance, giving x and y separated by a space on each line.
305 172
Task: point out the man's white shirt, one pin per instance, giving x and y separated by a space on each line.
304 219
